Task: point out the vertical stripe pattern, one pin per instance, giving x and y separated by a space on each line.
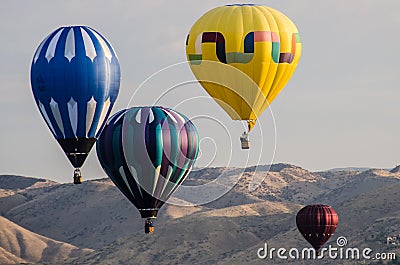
148 152
317 223
75 78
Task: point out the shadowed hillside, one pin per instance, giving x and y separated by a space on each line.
20 245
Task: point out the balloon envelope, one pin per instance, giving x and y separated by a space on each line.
75 78
148 152
243 55
317 223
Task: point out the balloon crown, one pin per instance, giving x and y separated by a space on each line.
242 5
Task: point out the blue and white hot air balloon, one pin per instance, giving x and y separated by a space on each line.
75 79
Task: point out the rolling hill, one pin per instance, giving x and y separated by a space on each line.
101 227
20 245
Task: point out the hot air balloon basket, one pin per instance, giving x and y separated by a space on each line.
77 177
245 142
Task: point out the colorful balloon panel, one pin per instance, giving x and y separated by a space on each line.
260 42
75 78
317 223
148 152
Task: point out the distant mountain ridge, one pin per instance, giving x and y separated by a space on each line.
14 182
395 169
99 226
348 169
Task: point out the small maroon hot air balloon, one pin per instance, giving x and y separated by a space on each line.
317 223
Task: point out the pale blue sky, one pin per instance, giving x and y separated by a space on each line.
339 109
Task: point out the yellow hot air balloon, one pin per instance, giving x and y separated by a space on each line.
243 55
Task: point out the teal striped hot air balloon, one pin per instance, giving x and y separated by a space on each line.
148 152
